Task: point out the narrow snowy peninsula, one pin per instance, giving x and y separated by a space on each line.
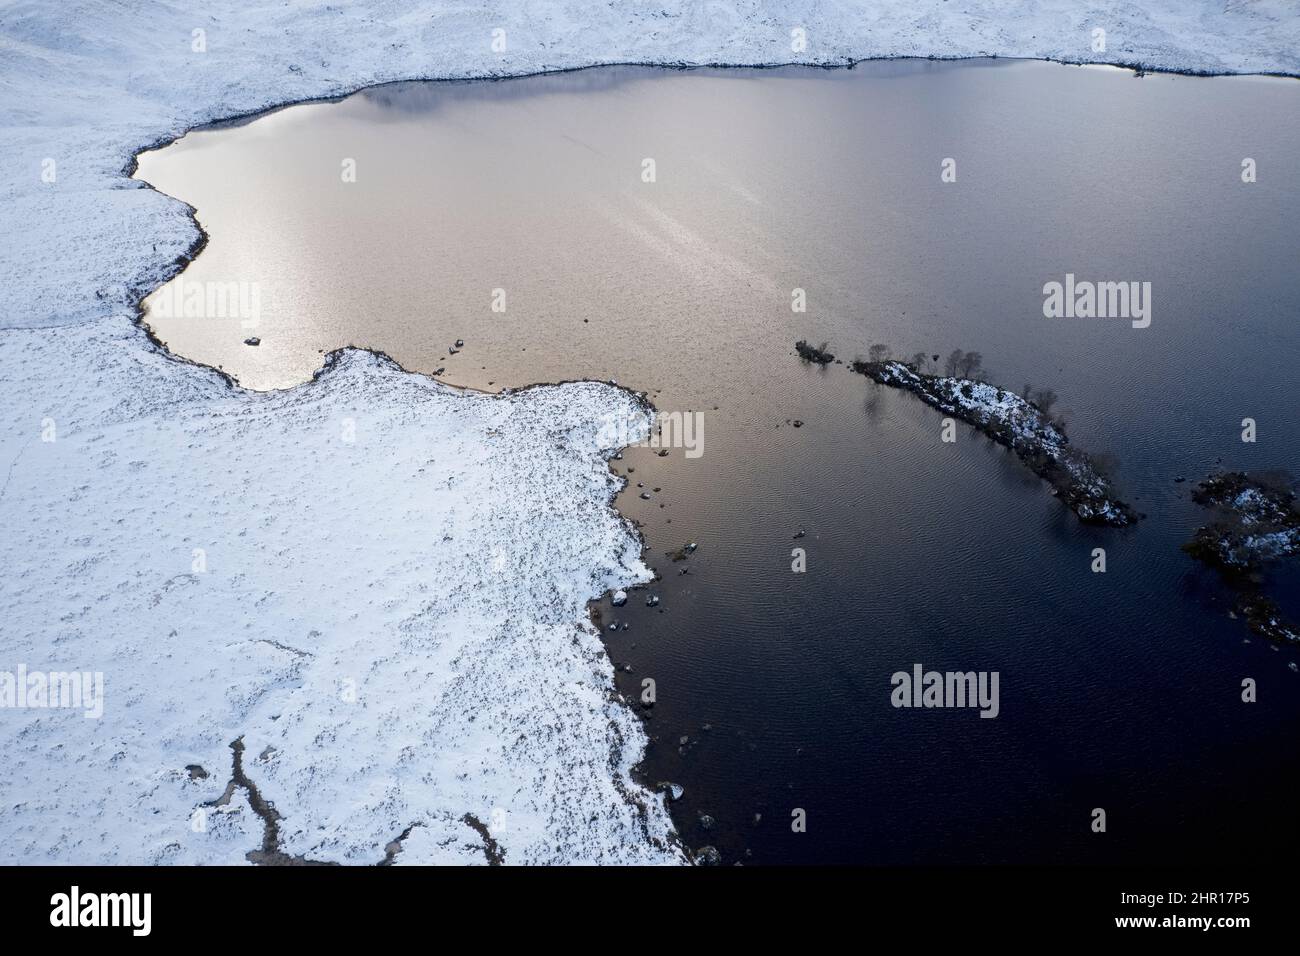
1021 425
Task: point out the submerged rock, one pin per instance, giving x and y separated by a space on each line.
682 553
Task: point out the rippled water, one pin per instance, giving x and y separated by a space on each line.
1120 690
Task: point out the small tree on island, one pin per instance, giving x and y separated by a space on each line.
970 364
952 363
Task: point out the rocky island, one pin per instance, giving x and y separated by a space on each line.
1257 522
1019 423
813 353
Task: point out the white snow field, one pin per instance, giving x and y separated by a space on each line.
376 582
379 577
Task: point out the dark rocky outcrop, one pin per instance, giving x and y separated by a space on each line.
1256 522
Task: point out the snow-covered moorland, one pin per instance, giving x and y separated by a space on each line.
379 578
373 581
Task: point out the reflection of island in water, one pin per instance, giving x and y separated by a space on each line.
516 216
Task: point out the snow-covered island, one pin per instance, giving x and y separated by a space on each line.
1257 522
1021 425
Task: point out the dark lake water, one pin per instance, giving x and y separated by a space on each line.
1118 690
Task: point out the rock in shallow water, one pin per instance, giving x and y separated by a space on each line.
708 856
671 790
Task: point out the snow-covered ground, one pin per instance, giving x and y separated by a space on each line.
392 622
378 577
